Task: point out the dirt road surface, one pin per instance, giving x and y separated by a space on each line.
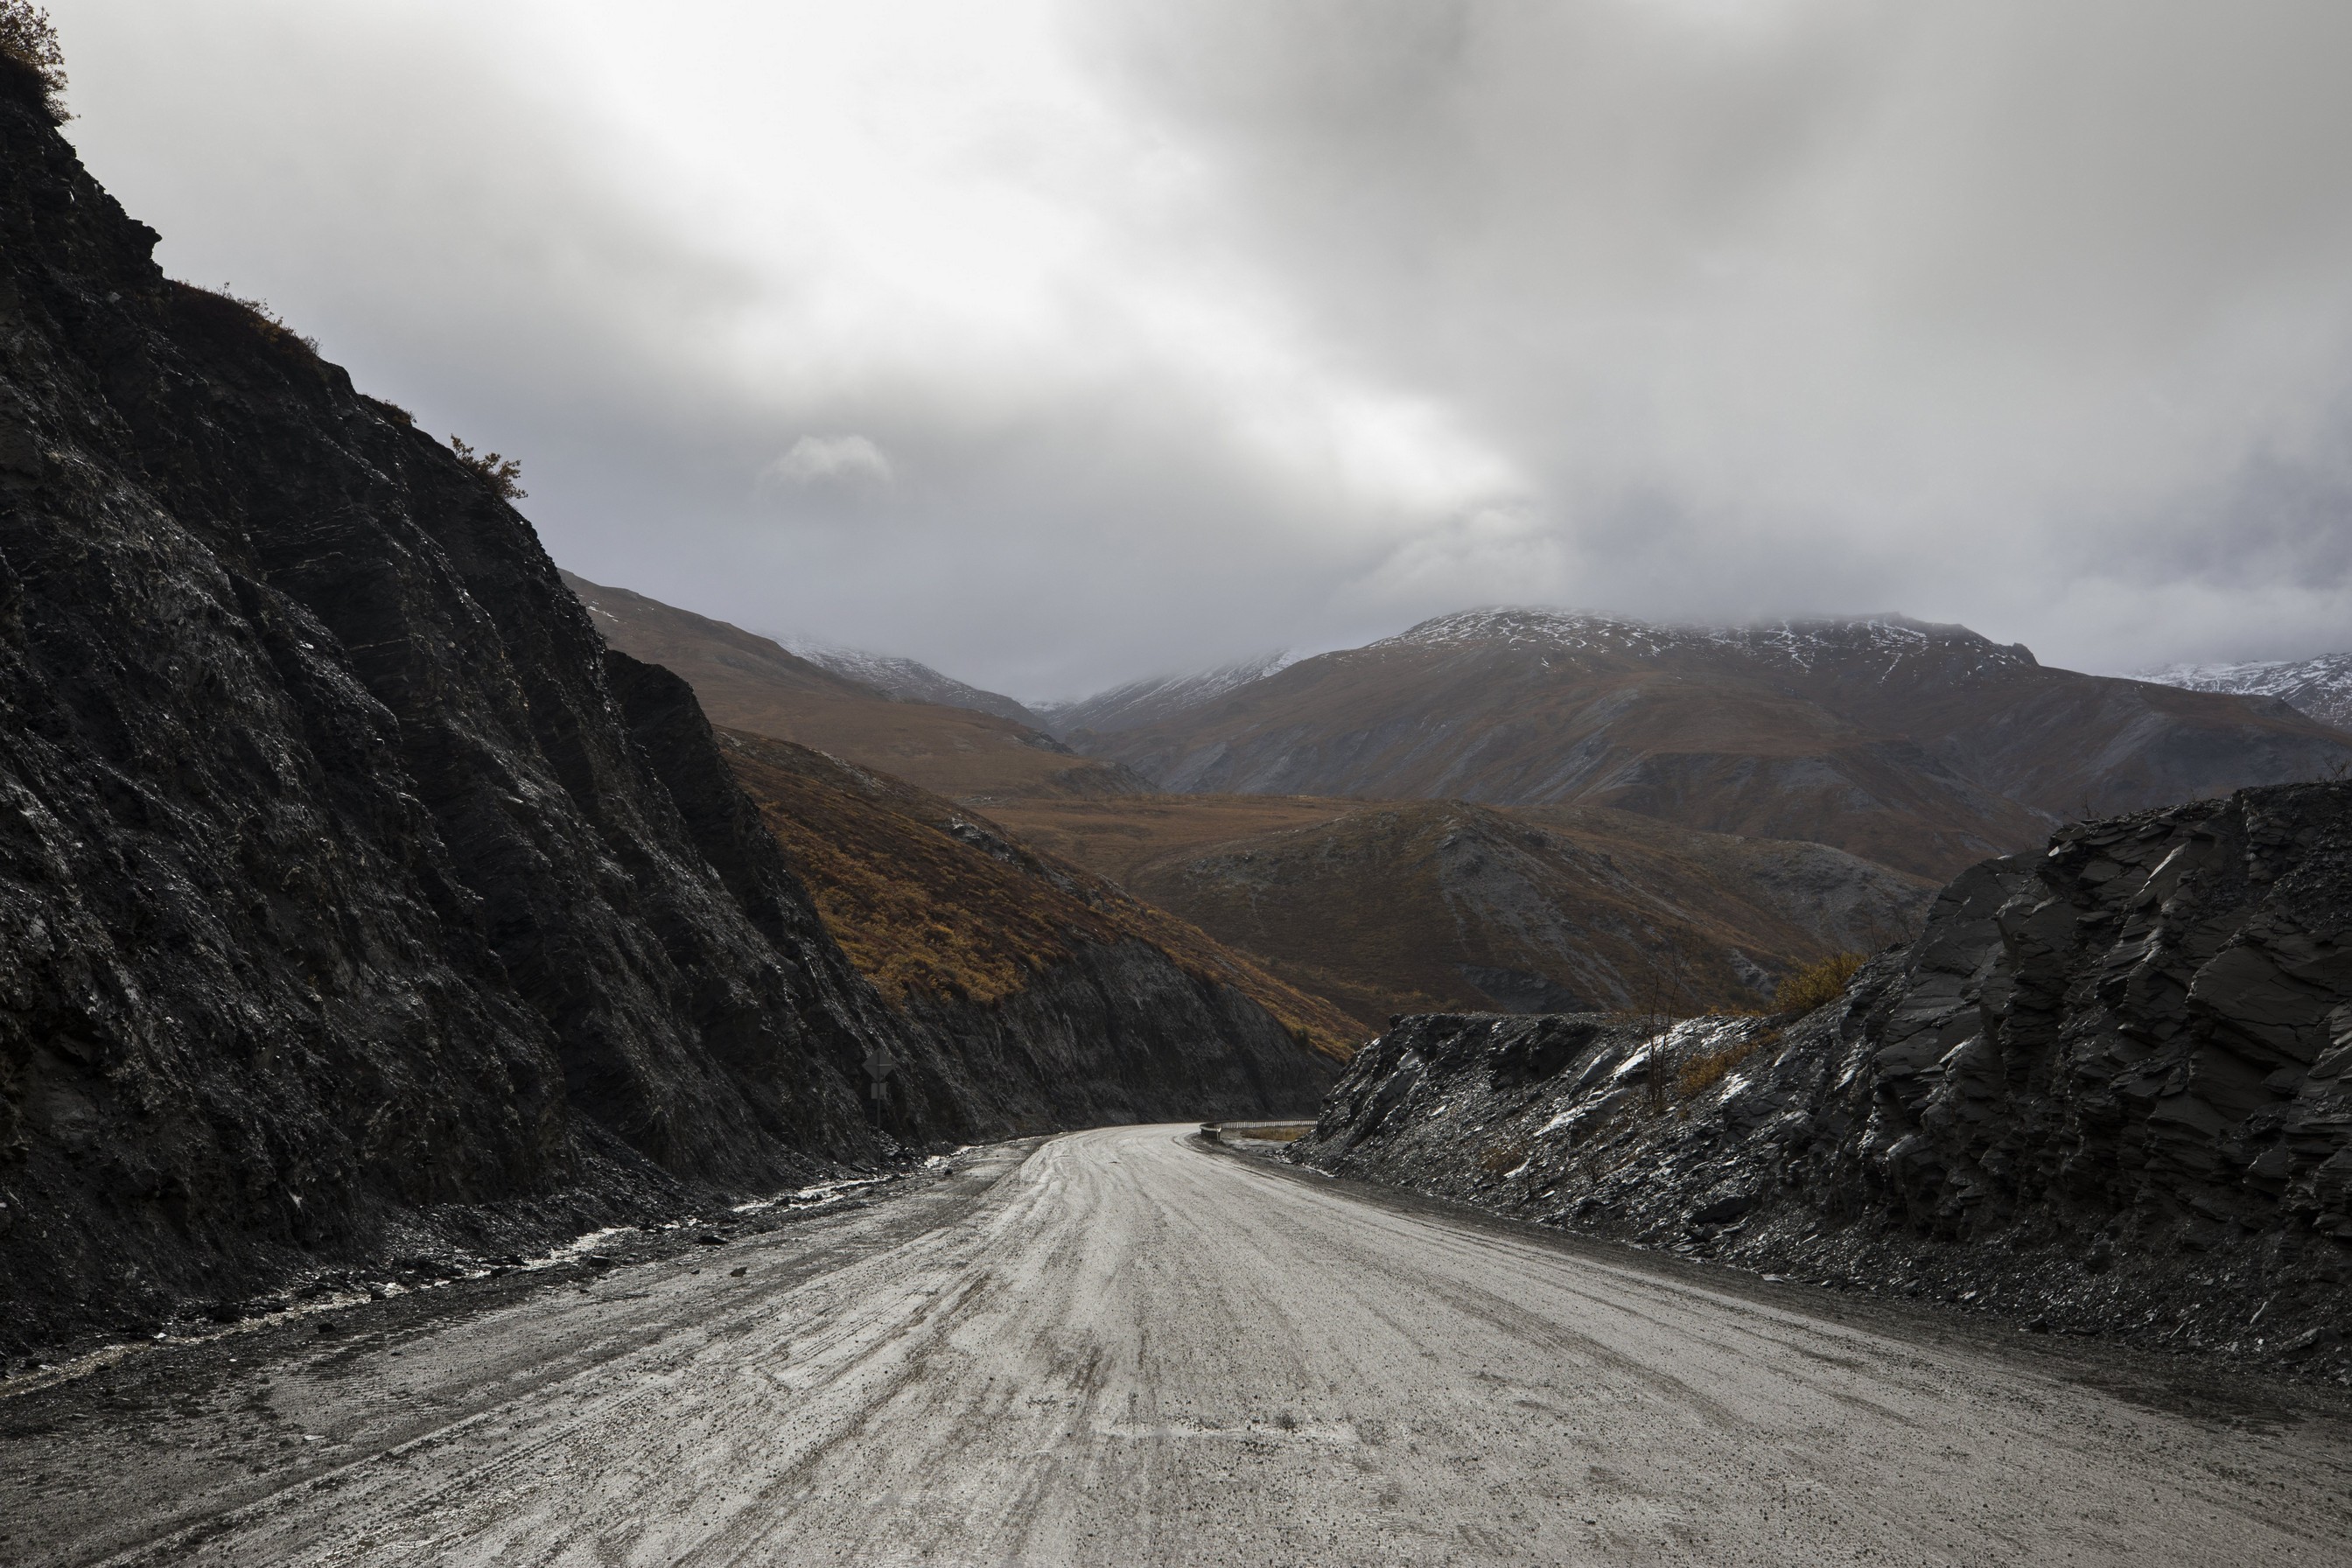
1126 1347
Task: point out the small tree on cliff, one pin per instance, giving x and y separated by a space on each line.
504 474
29 52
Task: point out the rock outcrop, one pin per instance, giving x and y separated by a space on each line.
2107 1089
353 906
340 913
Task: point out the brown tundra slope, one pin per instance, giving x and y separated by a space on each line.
750 682
964 928
1923 747
1415 905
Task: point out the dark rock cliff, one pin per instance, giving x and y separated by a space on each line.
340 910
355 903
1104 1027
1113 1033
2108 1090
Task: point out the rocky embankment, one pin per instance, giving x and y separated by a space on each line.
2107 1090
352 908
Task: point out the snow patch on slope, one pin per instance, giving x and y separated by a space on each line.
2321 687
906 680
1140 702
1798 643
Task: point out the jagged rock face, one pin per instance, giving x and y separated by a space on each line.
2154 1017
335 894
2105 1089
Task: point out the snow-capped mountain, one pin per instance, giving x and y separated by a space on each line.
906 680
2321 687
1140 702
1923 746
1800 643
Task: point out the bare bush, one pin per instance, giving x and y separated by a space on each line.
1501 1159
1702 1072
28 47
503 474
1816 986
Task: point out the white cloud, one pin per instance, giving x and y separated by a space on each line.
839 462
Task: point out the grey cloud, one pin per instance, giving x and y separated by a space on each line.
2030 316
1933 305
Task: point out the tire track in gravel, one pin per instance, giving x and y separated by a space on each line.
1126 1347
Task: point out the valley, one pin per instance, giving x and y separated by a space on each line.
495 1067
1423 906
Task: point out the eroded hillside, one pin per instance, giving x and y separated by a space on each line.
1438 905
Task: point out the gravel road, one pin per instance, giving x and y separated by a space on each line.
1126 1347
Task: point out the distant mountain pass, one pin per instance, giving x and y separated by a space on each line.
1030 967
2321 687
906 680
746 681
1924 747
1161 697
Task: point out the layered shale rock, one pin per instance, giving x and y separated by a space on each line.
2108 1088
352 905
340 913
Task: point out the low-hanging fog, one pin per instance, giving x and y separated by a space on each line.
1056 344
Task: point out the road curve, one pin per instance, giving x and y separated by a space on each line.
1131 1348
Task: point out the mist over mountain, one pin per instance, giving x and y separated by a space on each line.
908 680
2320 686
1140 702
1192 330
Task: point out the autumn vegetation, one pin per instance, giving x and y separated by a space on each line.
29 53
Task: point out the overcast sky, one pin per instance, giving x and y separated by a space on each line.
1059 344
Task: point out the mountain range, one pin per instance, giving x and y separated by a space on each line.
923 727
1924 747
1522 810
2321 687
1367 912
